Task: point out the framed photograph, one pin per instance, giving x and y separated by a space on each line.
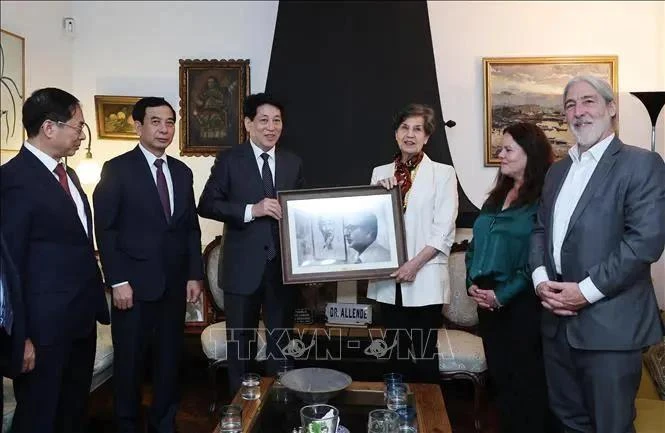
530 89
212 93
347 233
12 91
197 314
114 117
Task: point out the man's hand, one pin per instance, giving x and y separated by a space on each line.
407 272
563 299
194 288
28 356
485 299
388 183
267 207
123 297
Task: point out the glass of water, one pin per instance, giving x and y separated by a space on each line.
231 419
383 421
407 420
396 396
319 418
251 386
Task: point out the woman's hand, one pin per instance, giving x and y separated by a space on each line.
485 299
388 183
407 272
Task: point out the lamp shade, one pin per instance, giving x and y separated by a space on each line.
653 101
88 171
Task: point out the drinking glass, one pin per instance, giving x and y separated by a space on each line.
231 419
383 421
407 420
319 418
396 396
251 386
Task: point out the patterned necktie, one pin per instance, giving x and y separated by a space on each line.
62 177
163 189
269 191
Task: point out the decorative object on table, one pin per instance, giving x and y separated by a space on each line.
383 421
12 91
230 419
319 418
653 101
530 89
316 385
348 314
114 117
303 315
251 386
212 93
344 233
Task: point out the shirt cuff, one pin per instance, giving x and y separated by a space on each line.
119 284
590 291
248 213
538 276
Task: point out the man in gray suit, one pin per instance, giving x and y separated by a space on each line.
601 224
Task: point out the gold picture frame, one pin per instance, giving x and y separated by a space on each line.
212 93
12 92
114 117
530 89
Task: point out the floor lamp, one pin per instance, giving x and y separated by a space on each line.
654 102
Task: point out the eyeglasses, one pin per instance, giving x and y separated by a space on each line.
78 129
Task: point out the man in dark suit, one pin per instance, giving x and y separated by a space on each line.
150 247
601 224
241 193
12 329
47 226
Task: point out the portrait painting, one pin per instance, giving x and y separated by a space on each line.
12 92
212 93
530 89
333 234
196 314
114 117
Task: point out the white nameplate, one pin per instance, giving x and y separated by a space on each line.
357 314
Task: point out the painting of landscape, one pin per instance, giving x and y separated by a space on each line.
530 90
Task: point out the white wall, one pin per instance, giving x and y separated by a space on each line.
132 48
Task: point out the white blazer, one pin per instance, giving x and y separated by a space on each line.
429 220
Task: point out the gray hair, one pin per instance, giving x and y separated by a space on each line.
601 86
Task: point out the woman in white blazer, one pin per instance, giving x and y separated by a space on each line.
413 299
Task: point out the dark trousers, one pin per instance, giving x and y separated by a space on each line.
272 301
53 397
511 339
591 390
158 327
5 350
414 329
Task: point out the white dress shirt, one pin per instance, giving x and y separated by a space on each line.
150 158
51 164
576 181
259 163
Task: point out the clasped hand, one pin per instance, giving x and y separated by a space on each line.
563 299
485 299
267 207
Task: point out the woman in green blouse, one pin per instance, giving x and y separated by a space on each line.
499 281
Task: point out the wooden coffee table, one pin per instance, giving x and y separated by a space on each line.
357 398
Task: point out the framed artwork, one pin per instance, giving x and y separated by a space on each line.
347 233
212 93
114 117
197 314
530 89
12 91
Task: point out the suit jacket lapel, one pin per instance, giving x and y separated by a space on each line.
146 185
179 190
252 167
84 199
597 179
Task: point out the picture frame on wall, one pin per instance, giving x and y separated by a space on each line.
114 117
212 93
530 89
12 92
343 233
197 314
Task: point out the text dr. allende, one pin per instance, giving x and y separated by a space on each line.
348 312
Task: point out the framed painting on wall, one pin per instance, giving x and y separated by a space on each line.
530 89
114 117
12 92
342 233
212 93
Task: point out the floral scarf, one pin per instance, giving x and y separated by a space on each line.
403 173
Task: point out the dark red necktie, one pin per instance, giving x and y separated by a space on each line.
163 189
62 177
